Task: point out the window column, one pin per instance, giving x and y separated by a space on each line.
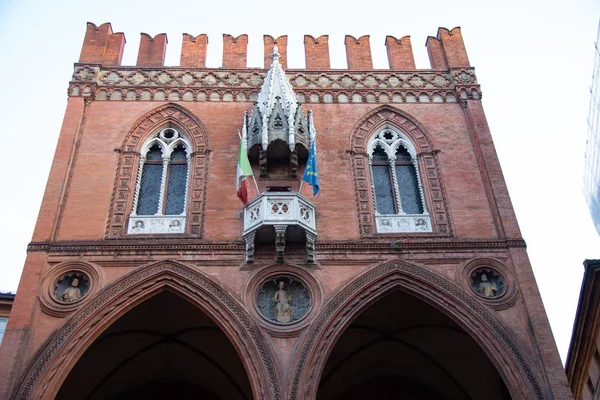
161 198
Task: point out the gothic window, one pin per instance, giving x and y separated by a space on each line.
159 205
396 183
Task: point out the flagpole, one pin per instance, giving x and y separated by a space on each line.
312 151
253 178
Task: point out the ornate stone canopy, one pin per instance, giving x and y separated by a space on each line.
277 113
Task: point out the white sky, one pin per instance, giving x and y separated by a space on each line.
534 61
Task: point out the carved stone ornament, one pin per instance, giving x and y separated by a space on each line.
283 299
437 222
71 287
199 85
164 119
66 286
299 283
488 283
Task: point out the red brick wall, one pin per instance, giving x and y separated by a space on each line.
76 202
96 163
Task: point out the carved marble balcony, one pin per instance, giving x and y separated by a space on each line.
288 214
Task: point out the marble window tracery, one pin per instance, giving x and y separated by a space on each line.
397 190
160 200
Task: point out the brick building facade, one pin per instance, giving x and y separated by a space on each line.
146 277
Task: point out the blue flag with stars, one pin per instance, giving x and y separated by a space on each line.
311 174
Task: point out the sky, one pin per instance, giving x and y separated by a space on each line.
533 59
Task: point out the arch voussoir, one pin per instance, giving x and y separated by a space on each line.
522 378
57 356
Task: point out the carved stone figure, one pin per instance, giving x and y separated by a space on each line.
175 225
71 293
283 310
138 226
488 283
487 288
283 299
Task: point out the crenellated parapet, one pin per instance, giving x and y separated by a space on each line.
447 49
152 50
99 74
399 52
235 51
316 52
358 53
281 43
193 51
102 46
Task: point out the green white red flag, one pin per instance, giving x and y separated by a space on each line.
243 170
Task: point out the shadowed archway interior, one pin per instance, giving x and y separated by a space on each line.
401 347
163 348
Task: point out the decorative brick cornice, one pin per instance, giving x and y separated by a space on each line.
157 246
331 86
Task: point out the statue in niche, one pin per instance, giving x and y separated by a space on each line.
71 293
487 288
71 287
487 283
283 299
283 310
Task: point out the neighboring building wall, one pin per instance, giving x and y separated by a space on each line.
6 303
82 226
583 359
592 153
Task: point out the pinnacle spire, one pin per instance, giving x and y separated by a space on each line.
275 54
277 90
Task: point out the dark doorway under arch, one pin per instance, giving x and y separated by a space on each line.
163 348
402 347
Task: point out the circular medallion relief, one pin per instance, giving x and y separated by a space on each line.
66 286
487 282
71 287
283 299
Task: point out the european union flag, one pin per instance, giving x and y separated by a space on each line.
311 174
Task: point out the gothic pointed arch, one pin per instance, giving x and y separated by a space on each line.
522 378
426 162
168 115
50 366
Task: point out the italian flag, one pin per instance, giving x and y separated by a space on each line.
243 170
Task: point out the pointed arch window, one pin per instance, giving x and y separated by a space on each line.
159 204
396 184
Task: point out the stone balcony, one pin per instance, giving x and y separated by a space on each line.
280 210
